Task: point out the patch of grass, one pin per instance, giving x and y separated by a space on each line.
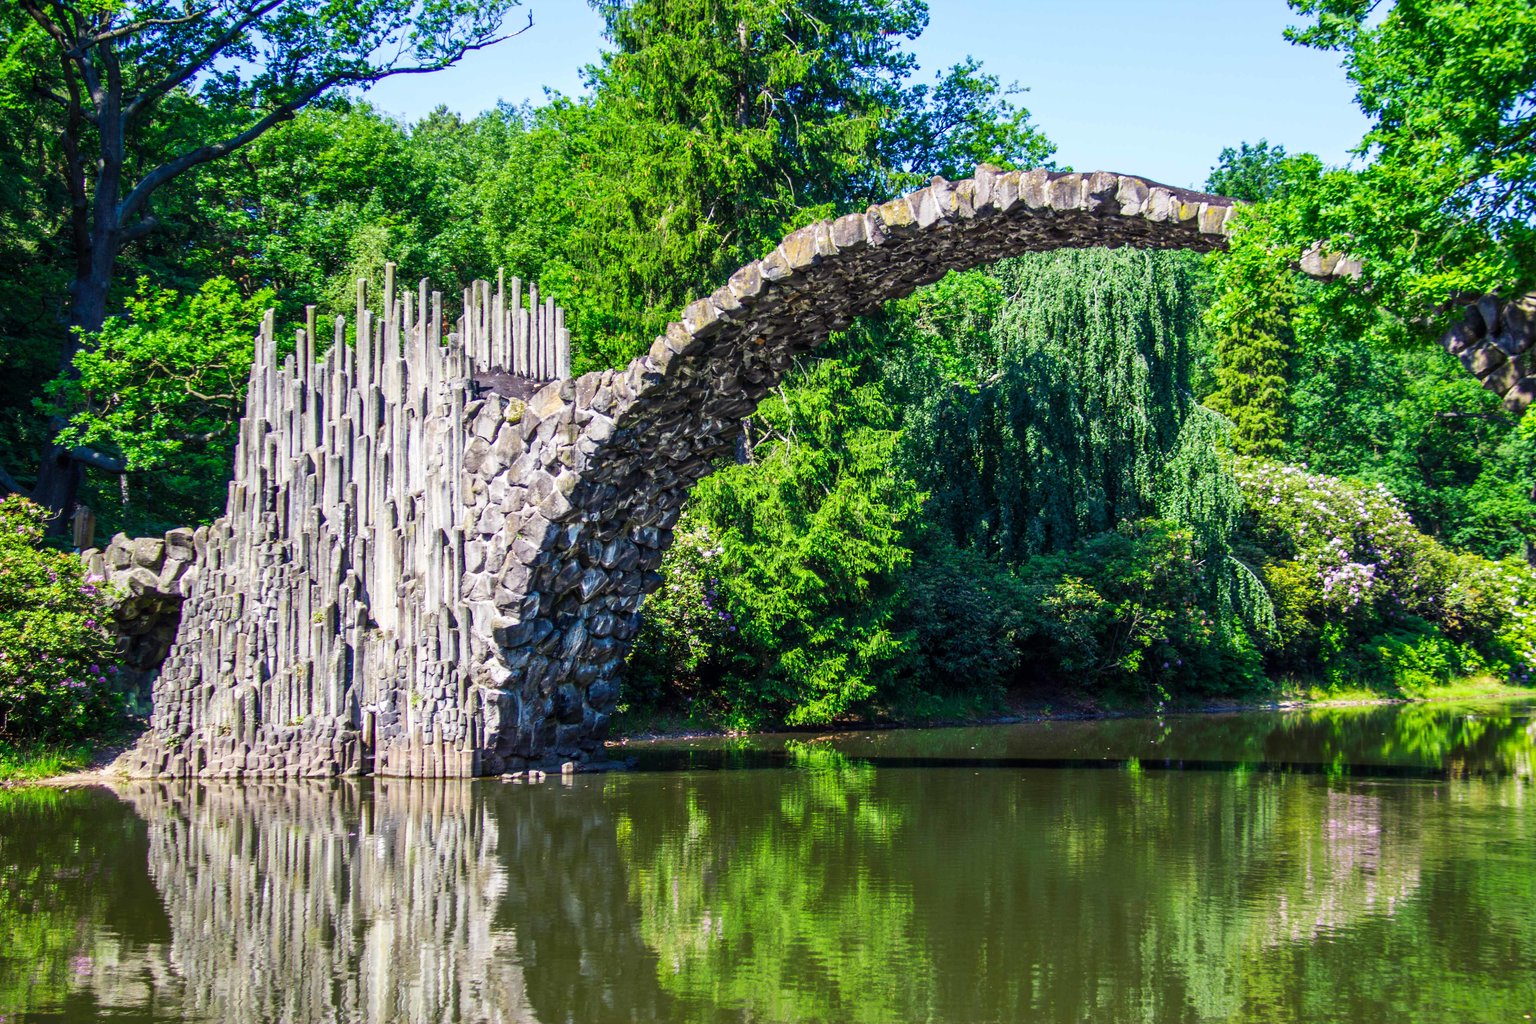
1463 688
20 762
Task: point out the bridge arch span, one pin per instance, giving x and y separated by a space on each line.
609 479
429 566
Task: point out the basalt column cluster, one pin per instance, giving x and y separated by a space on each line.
326 623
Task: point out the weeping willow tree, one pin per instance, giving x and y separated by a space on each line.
1074 418
935 508
1072 410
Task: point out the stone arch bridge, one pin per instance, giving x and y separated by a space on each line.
435 548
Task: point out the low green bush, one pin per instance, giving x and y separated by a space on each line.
55 651
1138 610
963 618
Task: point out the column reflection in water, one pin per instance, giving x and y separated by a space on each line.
826 889
291 903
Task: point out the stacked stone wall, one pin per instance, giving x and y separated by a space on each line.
1496 341
433 557
147 580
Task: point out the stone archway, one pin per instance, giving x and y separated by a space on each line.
430 566
614 454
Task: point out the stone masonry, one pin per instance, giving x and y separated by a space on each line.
1496 341
433 557
147 579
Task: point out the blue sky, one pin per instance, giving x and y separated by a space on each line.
1148 87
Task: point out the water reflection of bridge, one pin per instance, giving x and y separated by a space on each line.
831 891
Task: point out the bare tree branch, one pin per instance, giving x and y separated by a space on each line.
283 112
139 26
197 61
96 460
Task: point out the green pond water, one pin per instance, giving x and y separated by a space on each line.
1324 865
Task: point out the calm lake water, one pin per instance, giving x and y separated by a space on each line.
1342 865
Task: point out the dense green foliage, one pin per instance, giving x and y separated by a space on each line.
1447 201
1253 324
799 554
1052 474
55 652
163 385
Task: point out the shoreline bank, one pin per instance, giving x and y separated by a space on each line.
1019 712
1047 711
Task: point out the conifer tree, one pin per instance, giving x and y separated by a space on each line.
1255 346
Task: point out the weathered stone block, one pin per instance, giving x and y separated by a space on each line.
1100 192
1035 189
1519 398
1131 195
896 216
800 249
1503 377
1065 192
1459 338
1511 342
148 552
849 232
746 283
1212 219
179 544
475 454
1490 309
775 266
1483 359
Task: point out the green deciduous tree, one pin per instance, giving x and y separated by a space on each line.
718 125
162 386
1446 203
1251 172
144 91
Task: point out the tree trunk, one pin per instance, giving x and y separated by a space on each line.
59 474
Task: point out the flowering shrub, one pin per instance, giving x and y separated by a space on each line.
1356 540
55 651
1359 592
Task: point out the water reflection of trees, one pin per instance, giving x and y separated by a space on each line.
1069 895
831 891
65 891
1484 739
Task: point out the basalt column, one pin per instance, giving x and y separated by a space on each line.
328 625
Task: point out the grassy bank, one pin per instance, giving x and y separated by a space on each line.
25 762
641 723
1465 688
